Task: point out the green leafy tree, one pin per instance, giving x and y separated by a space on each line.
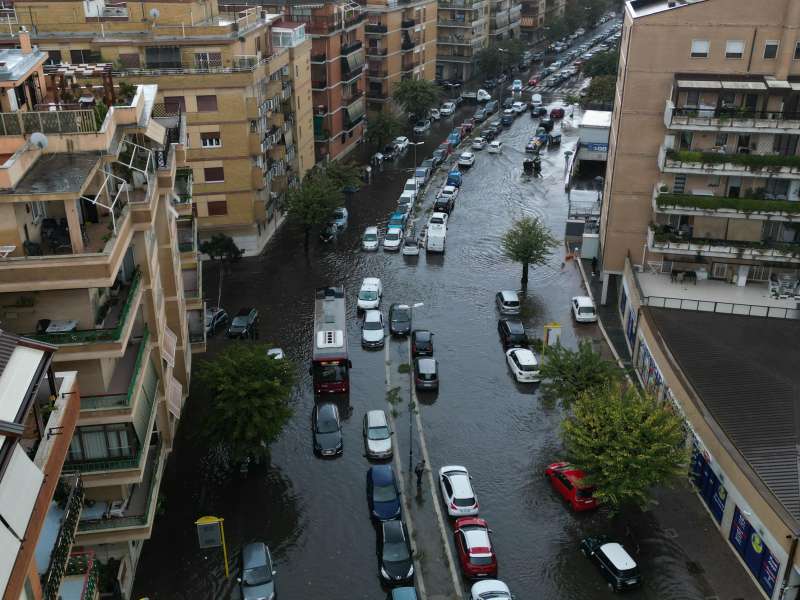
383 128
488 61
249 396
223 249
556 30
342 175
601 90
416 96
312 202
568 374
496 59
627 442
529 242
602 64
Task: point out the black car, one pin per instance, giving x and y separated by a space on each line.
491 107
389 152
244 325
497 124
426 374
394 553
421 343
546 124
480 115
614 562
383 495
512 333
489 134
438 157
327 429
489 84
399 319
443 204
508 103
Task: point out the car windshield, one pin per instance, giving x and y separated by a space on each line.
327 425
494 595
437 221
395 552
384 493
370 237
378 433
480 560
240 321
368 295
257 576
401 315
584 492
372 325
392 235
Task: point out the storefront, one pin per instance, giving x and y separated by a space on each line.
752 548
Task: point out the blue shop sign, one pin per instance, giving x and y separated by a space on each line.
757 556
596 147
769 572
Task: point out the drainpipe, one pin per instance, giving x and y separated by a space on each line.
789 568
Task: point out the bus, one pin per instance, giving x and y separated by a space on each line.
330 364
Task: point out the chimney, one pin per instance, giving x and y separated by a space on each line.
25 41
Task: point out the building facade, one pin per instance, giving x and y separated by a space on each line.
505 20
703 171
400 44
463 30
532 20
242 89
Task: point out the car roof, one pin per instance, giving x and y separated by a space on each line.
459 479
495 143
371 229
370 281
404 593
509 295
327 409
381 474
399 306
439 214
426 365
376 418
393 530
254 555
243 312
394 228
514 325
372 316
450 189
618 557
467 153
583 301
477 539
524 356
422 334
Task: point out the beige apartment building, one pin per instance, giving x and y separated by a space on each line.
505 20
401 44
532 19
99 258
242 83
463 30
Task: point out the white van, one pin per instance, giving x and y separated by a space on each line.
536 100
483 96
411 186
435 238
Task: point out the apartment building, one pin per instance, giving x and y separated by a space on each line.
532 20
99 258
554 9
241 86
40 506
337 75
401 44
505 20
463 30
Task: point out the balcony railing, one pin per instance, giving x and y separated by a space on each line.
377 51
187 236
733 118
408 23
375 28
377 73
757 165
85 564
724 204
183 185
348 76
667 241
319 58
57 121
720 306
59 556
327 24
319 84
88 336
351 47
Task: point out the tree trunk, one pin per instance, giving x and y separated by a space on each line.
524 281
219 291
307 232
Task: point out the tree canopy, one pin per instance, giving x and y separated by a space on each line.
416 96
312 202
529 242
605 63
341 175
249 396
383 128
498 58
626 441
567 374
601 91
221 247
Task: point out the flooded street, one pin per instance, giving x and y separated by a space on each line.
312 512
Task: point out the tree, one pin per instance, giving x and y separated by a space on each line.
494 60
626 441
248 399
601 64
488 61
568 374
312 202
601 90
342 175
222 248
416 96
529 242
383 128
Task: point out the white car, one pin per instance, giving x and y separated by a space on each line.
372 329
466 159
377 435
447 109
495 147
369 296
422 126
400 142
410 246
448 192
583 309
478 143
483 96
459 498
276 353
523 365
536 100
516 86
519 107
493 589
411 186
438 219
435 114
405 202
392 239
369 241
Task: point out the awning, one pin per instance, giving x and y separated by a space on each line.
355 60
777 84
19 490
699 85
744 85
156 132
356 110
19 372
175 397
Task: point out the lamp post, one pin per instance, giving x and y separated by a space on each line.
502 51
414 170
410 407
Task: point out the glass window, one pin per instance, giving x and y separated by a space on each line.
206 103
217 207
734 49
692 98
771 49
210 139
700 48
214 174
130 60
797 51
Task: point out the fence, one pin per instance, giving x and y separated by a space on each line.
56 121
728 308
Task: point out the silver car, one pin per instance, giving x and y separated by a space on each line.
257 580
507 302
377 435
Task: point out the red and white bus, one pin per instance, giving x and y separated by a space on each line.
330 365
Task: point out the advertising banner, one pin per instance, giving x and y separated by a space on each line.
769 572
740 532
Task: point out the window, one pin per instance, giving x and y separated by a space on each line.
771 49
38 212
102 442
700 48
214 174
722 139
797 51
54 57
217 207
163 57
130 61
734 49
207 60
210 140
692 98
206 103
172 102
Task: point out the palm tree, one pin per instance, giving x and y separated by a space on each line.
529 242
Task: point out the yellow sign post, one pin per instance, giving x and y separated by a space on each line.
552 336
211 534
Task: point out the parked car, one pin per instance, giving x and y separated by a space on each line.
369 240
244 325
491 107
616 565
495 147
474 546
422 126
438 156
466 160
507 119
404 593
478 143
422 174
401 143
483 96
421 343
377 435
392 239
369 296
372 329
490 589
583 309
490 83
216 318
480 115
445 200
507 302
536 100
405 202
257 578
389 152
447 109
523 365
426 374
399 319
398 219
519 107
512 333
516 86
507 103
546 124
410 246
394 552
437 219
383 493
566 480
457 492
435 114
557 112
327 429
339 218
428 164
533 80
489 134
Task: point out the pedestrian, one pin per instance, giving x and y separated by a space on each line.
594 265
419 470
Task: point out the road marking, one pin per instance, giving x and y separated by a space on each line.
432 484
420 581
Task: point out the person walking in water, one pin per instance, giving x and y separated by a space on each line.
419 470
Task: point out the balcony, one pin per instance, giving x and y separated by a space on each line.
351 47
351 75
323 25
193 285
319 58
348 99
183 187
408 23
375 29
735 120
407 45
377 52
726 207
82 580
319 84
661 240
187 235
461 4
57 121
197 329
377 73
736 165
58 534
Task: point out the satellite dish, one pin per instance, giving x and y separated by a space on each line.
39 140
154 13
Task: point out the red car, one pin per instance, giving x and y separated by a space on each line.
475 552
533 81
557 113
566 480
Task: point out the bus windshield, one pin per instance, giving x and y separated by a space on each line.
330 372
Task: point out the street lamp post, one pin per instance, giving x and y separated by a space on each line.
410 407
414 170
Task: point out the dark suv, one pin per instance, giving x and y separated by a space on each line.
421 343
512 333
244 325
399 319
614 562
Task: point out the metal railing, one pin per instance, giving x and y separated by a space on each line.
84 563
327 24
351 47
120 400
183 185
59 557
734 113
716 306
375 28
56 121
